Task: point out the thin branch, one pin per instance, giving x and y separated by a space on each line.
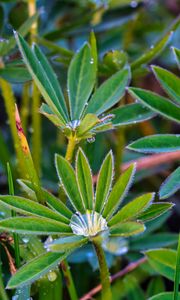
132 266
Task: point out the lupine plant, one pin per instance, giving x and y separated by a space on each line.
92 217
87 204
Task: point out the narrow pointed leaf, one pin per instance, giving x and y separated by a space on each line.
67 243
158 143
81 79
48 113
68 179
36 268
119 191
155 210
163 261
157 103
52 78
34 225
26 206
164 296
127 229
50 199
93 44
104 182
40 77
169 82
84 179
130 114
171 185
177 55
131 210
109 93
87 124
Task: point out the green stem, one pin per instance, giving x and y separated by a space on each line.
70 149
177 273
65 267
3 295
104 272
13 213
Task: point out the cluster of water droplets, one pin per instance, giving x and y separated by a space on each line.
89 224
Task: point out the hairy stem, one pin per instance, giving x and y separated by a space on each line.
70 149
104 272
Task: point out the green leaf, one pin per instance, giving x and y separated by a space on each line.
154 241
34 225
169 82
156 143
94 53
127 229
81 79
131 210
109 93
171 185
177 55
41 77
130 114
104 182
23 30
163 261
84 179
133 289
69 182
52 78
119 191
87 124
15 74
67 243
157 103
155 210
48 113
177 272
50 199
153 52
35 268
155 286
26 206
164 296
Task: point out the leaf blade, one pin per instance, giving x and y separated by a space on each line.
171 185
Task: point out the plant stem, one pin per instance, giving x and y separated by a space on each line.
177 273
15 235
69 280
3 295
70 149
104 272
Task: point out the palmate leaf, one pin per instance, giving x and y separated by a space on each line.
53 202
169 82
163 261
67 243
119 191
81 80
131 210
171 185
36 268
35 225
104 182
43 77
29 207
127 229
84 179
69 182
130 114
158 143
109 93
155 210
157 103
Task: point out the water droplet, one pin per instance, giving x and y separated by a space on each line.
91 61
134 4
152 46
25 239
52 276
91 140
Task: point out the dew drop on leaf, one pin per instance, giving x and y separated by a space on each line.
91 140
